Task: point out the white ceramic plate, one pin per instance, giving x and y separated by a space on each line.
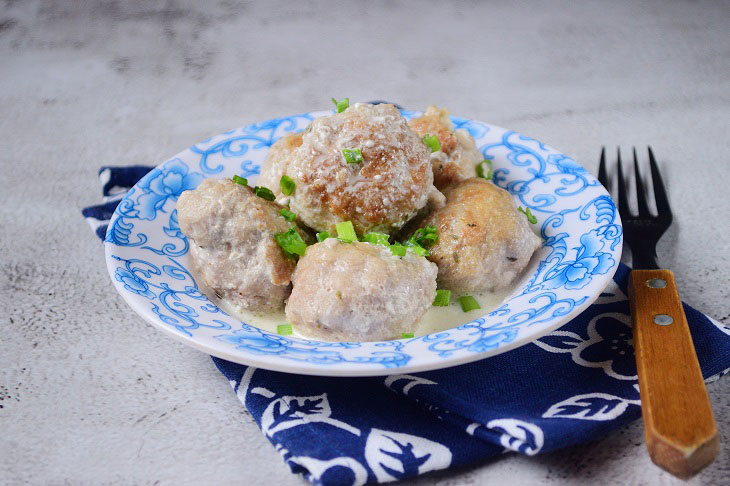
147 258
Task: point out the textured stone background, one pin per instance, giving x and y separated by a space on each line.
92 394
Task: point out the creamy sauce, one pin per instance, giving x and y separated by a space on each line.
441 318
434 320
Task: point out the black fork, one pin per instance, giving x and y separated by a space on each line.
679 427
643 231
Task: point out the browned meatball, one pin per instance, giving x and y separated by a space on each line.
484 241
233 248
359 292
458 156
380 193
277 160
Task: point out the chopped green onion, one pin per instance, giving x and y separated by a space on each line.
322 236
342 104
287 185
406 335
264 193
530 217
480 169
433 142
376 239
398 249
421 239
284 329
416 248
287 215
352 156
346 232
240 180
291 242
468 303
443 297
426 237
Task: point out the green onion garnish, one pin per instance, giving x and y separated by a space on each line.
352 156
376 239
426 237
480 169
468 303
287 185
264 193
406 335
530 217
240 180
287 215
342 104
443 297
416 248
398 250
291 242
433 142
346 232
284 329
322 236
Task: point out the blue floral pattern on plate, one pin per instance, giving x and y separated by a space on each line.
147 257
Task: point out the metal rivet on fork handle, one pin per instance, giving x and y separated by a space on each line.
663 319
656 283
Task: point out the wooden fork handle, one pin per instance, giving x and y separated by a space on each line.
680 430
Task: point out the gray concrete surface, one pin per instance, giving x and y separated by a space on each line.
91 394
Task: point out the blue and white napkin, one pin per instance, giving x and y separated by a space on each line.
569 387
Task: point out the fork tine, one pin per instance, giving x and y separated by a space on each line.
602 177
660 194
640 190
623 201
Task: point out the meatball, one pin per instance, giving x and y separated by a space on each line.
484 241
379 191
458 156
233 248
277 160
359 292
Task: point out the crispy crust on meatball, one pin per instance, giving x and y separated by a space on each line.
484 241
232 246
458 156
391 184
359 292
